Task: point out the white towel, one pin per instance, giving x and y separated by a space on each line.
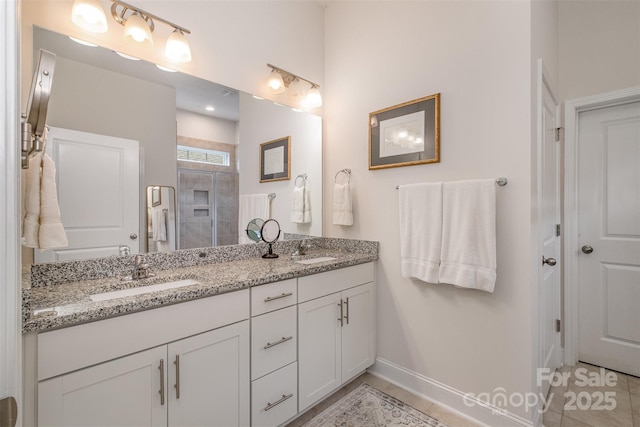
421 230
468 256
31 220
301 204
51 234
251 206
342 207
159 225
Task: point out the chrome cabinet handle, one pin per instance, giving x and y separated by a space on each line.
347 316
549 261
273 344
341 318
587 249
283 295
177 384
161 367
279 401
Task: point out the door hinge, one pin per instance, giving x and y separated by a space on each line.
558 230
558 133
558 325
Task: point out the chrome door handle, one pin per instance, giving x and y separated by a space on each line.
549 261
587 249
161 368
133 236
177 384
346 303
341 318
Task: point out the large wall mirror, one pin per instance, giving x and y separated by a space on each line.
208 155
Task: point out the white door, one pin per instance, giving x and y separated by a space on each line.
209 378
550 275
122 392
98 192
319 349
358 339
609 237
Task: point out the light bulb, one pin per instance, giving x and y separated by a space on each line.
313 99
275 82
177 48
89 15
137 29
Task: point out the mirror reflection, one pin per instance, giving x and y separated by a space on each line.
183 146
161 218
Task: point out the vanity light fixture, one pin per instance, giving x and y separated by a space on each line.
281 80
138 26
89 15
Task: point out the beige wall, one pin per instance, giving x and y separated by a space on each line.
477 55
599 46
208 128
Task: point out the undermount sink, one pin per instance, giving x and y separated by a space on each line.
315 260
106 296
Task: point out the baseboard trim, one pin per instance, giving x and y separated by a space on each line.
454 400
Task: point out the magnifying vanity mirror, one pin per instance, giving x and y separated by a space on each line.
98 92
254 229
270 232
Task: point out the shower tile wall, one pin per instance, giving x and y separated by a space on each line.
208 204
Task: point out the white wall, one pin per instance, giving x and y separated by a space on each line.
193 125
262 121
478 56
599 46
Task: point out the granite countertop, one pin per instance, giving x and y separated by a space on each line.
67 304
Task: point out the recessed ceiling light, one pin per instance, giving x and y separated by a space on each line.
167 69
209 108
82 42
125 56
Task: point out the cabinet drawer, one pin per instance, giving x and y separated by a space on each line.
273 341
274 398
266 298
329 282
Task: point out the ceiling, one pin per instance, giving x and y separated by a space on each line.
192 93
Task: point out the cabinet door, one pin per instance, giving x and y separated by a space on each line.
319 349
209 378
121 392
358 338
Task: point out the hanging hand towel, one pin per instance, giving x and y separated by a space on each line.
251 206
159 225
52 234
468 256
300 204
31 220
342 207
421 230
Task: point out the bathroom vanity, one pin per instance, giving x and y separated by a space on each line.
246 342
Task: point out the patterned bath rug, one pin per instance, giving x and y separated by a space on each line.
368 407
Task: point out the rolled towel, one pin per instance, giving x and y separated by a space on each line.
342 208
52 234
31 220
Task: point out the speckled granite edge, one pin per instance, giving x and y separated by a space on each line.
115 266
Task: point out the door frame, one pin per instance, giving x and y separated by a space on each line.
570 220
10 252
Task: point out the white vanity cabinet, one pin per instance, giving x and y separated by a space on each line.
274 368
336 322
107 373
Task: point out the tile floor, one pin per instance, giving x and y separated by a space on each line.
566 399
563 410
427 407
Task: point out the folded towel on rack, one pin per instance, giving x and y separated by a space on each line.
421 230
159 225
251 206
51 234
468 257
342 205
31 219
301 204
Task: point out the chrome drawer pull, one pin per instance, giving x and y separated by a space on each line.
177 384
341 318
161 368
272 344
283 295
279 401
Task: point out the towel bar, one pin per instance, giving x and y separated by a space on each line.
271 195
303 176
346 171
502 181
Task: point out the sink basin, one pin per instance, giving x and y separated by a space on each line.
143 290
316 260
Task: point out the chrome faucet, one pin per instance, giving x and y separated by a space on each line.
140 269
302 248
